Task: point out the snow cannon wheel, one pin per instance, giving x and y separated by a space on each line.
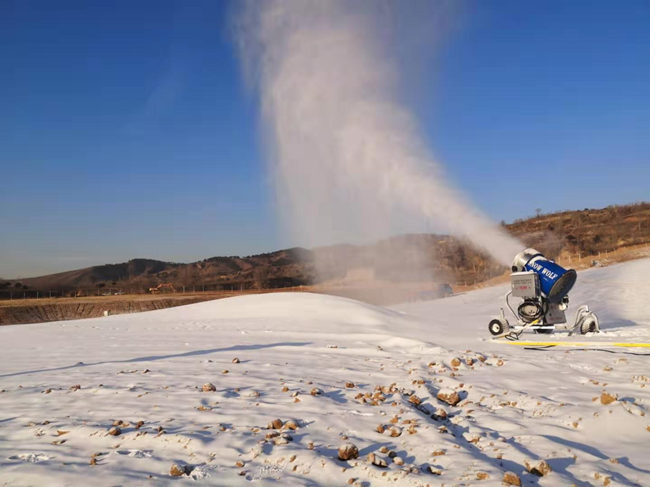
586 321
588 325
497 327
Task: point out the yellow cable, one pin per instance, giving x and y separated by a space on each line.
577 344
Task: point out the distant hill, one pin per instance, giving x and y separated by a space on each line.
283 268
563 235
586 232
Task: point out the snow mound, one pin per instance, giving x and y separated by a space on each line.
305 306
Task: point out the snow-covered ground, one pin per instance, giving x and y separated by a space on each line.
65 385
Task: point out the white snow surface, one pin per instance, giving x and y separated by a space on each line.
517 405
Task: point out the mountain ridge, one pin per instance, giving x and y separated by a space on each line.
558 235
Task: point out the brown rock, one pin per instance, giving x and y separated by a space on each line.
276 424
455 362
540 469
450 397
208 387
380 428
606 398
283 439
439 415
438 453
433 470
176 470
482 476
395 431
349 385
115 431
139 424
316 391
511 478
291 425
75 387
413 399
348 451
239 464
377 461
235 360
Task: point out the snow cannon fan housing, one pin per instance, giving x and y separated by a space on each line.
554 280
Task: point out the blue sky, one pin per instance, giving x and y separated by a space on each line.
126 130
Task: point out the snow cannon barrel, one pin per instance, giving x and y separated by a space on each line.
555 281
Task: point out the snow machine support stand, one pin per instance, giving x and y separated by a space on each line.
544 288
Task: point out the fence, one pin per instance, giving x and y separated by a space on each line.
15 293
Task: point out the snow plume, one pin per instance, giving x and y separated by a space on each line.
348 160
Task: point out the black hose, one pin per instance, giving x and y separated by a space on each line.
529 318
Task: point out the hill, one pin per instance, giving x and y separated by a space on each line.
586 232
567 236
284 268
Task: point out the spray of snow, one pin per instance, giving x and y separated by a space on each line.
348 159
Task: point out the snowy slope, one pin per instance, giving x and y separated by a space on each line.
516 405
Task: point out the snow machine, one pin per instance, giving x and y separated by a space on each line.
543 288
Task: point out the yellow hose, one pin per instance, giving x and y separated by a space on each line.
576 344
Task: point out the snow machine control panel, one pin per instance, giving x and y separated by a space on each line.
524 284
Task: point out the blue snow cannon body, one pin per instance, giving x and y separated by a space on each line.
554 280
